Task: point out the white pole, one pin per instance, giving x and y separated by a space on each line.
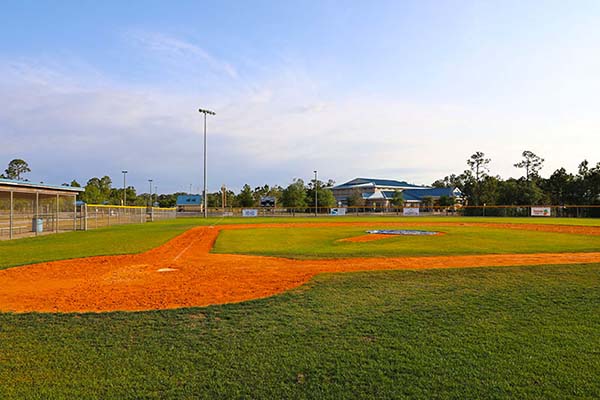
11 217
204 190
316 188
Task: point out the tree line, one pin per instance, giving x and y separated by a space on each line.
99 190
297 194
479 187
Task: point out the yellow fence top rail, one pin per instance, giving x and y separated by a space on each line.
129 207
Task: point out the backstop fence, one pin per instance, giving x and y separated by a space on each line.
22 214
92 216
27 214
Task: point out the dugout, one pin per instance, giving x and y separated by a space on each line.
28 208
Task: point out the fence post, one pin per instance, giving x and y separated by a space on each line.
75 212
37 209
11 216
85 218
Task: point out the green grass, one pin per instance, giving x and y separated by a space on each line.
503 333
324 242
126 239
519 332
122 239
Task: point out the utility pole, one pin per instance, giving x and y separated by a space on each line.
151 208
223 197
204 200
124 188
316 188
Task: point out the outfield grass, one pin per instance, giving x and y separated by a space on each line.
121 239
136 238
526 332
324 242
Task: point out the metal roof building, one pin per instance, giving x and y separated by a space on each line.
381 191
33 208
381 184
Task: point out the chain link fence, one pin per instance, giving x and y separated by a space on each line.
567 211
31 214
92 216
27 214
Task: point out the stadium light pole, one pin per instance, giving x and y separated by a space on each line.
205 203
150 194
316 187
124 188
151 208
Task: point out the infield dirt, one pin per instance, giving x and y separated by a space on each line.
183 272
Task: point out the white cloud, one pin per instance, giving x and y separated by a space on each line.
67 124
179 52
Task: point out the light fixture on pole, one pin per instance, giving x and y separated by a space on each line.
316 188
204 202
124 188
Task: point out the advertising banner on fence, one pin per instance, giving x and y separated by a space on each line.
541 212
249 213
338 211
410 211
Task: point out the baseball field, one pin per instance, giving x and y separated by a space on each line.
304 308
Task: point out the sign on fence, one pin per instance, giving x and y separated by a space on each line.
338 211
410 211
249 213
541 212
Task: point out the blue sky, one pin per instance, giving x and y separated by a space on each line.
404 90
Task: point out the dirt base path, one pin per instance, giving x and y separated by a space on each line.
183 272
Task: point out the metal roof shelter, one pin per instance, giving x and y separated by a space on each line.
32 208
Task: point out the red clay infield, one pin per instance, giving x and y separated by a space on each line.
183 272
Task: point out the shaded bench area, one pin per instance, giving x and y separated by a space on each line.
31 209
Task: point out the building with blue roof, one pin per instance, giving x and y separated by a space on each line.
380 192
